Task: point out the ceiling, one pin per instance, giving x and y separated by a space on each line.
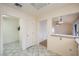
39 5
36 6
33 8
37 9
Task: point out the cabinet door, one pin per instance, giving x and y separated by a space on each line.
62 46
54 44
69 46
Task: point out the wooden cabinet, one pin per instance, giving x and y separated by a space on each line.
62 45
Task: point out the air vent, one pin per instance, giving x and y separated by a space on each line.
18 5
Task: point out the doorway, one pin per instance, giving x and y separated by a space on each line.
43 32
11 40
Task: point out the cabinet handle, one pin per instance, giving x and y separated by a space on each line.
60 38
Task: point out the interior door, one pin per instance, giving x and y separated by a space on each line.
10 30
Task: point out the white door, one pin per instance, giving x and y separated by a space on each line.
10 29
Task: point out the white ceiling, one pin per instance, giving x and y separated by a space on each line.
39 5
29 8
36 9
36 6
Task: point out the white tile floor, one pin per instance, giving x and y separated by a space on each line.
13 49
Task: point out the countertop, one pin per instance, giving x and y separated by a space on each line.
62 35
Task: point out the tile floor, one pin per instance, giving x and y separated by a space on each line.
13 49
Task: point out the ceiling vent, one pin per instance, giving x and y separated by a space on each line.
18 5
39 5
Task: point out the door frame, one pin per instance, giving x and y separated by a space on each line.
2 32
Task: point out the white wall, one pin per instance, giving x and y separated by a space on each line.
10 29
27 25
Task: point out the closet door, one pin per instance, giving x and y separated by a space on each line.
31 34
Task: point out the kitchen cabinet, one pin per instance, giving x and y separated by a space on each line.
65 46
